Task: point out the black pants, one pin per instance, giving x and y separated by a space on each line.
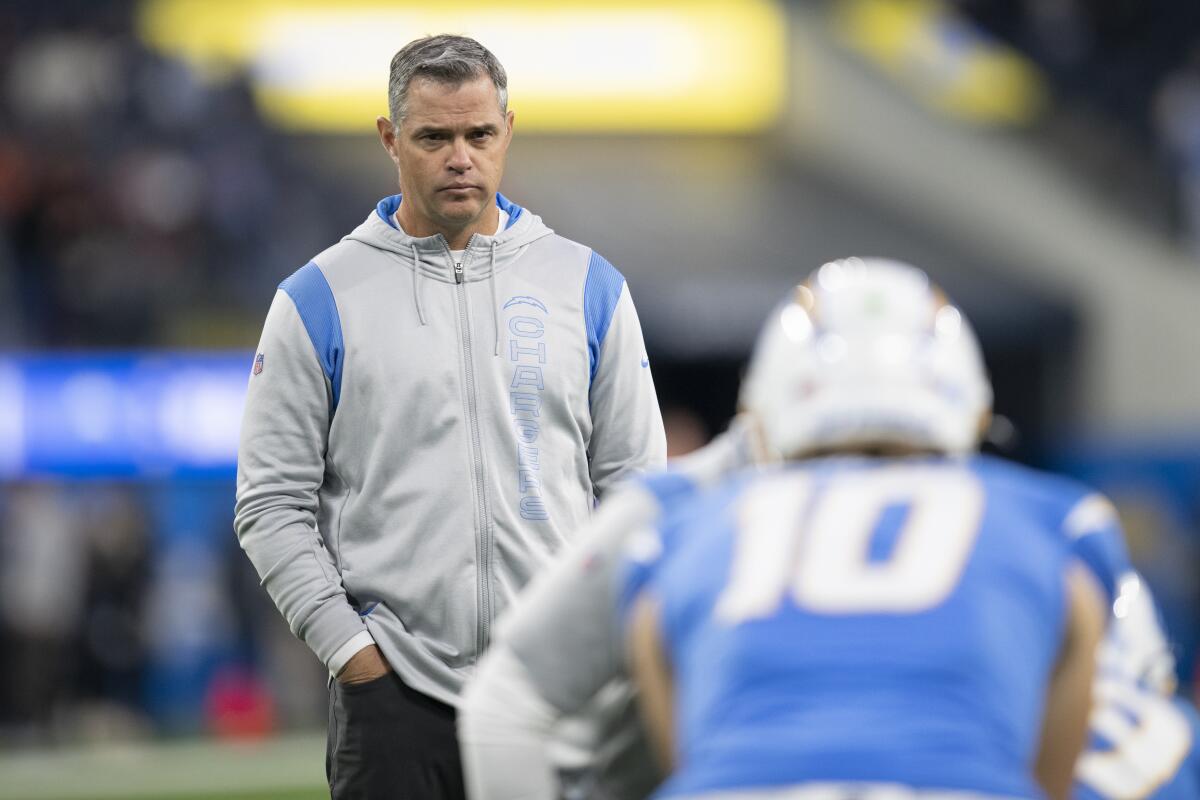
389 742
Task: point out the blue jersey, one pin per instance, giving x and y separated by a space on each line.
1141 745
869 620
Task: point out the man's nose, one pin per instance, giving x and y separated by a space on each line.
460 156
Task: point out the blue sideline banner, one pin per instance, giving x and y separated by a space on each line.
121 415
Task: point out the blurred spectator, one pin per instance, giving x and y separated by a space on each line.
42 568
113 652
139 205
72 608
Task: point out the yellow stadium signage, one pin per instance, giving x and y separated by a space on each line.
664 66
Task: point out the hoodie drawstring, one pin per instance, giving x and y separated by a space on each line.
495 304
416 285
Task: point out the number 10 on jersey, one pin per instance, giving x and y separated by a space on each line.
814 543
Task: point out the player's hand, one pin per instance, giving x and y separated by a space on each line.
365 665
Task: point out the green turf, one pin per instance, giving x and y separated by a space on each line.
281 794
288 767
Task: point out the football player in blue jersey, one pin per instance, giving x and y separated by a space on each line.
886 614
1144 742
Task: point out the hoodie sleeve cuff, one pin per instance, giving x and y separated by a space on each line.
343 654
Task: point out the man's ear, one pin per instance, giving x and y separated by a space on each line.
387 137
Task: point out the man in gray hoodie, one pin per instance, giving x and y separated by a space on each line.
435 406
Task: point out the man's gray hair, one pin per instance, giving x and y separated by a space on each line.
447 59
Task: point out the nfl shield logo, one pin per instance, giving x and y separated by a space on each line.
258 363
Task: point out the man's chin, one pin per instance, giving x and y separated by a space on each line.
460 213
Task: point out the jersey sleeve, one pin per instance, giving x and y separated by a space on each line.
1094 532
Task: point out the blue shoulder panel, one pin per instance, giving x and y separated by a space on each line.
387 207
601 291
314 302
509 207
1084 517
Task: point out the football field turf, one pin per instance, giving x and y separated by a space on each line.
282 768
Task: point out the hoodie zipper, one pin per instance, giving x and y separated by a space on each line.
483 542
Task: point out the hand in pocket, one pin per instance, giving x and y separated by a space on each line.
364 666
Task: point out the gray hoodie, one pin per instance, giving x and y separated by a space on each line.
420 437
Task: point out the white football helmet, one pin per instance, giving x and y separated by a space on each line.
867 353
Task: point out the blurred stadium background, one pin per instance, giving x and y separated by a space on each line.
164 164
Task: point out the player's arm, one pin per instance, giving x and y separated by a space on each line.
504 725
1139 731
652 676
554 650
281 464
1068 702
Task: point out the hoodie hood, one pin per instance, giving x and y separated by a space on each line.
430 254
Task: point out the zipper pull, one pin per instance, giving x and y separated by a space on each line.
458 272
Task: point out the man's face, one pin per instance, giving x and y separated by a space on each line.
450 152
